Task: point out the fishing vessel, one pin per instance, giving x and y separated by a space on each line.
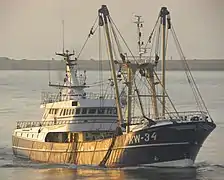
137 125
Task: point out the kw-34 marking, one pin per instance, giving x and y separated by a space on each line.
146 137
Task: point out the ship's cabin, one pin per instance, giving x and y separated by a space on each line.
69 109
72 121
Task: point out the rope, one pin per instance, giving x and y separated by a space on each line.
116 40
158 42
166 94
124 41
166 109
107 155
100 65
150 36
190 76
92 31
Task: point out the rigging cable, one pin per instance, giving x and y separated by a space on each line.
157 51
190 74
100 66
158 42
150 36
118 44
149 89
91 32
166 94
140 102
187 70
124 41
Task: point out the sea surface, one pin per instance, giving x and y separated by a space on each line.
20 93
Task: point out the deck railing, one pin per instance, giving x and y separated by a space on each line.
30 124
49 97
186 116
181 116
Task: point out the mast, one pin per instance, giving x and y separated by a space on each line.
140 42
72 86
63 36
163 14
150 76
103 20
129 102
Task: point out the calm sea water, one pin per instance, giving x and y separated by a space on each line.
20 100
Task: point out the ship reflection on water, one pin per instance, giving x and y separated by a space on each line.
161 173
87 173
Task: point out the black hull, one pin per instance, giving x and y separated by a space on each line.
165 145
174 142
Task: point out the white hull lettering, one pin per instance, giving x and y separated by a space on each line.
136 139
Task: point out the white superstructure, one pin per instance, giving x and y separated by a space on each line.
71 110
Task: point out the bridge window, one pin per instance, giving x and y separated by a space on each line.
101 111
53 111
78 111
74 103
84 111
61 113
110 111
64 112
114 110
92 111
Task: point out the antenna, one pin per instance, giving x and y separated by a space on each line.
49 71
139 24
63 36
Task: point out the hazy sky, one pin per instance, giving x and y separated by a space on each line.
32 29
